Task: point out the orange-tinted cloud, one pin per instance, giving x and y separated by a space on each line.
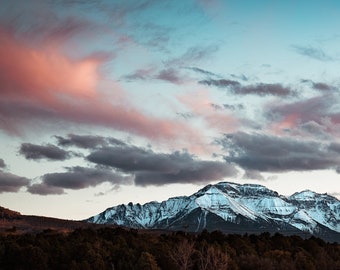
200 104
43 74
288 122
41 85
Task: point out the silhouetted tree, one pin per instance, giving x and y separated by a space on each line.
212 257
147 262
181 254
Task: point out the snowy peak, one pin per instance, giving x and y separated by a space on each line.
246 190
308 195
305 195
223 205
233 207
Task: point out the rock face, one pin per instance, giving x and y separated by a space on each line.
234 208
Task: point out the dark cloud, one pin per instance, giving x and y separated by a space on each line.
263 89
152 168
315 129
186 115
315 53
216 106
233 107
335 147
81 141
86 141
312 109
191 172
80 178
167 74
49 151
222 83
320 85
43 189
2 164
202 71
260 89
11 183
278 154
170 75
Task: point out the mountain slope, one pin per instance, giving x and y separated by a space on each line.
232 207
14 222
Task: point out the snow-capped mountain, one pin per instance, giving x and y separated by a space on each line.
235 208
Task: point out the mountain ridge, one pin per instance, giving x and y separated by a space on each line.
231 207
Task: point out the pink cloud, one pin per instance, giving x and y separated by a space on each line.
43 74
42 85
289 121
200 104
321 111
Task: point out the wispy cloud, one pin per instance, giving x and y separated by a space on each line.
222 83
192 55
199 104
312 52
260 89
172 70
203 71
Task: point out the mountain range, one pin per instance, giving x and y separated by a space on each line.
234 208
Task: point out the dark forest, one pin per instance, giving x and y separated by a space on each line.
118 248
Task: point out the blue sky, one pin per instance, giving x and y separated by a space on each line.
107 102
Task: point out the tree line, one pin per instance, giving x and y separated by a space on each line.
119 248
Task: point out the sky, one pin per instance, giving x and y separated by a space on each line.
110 102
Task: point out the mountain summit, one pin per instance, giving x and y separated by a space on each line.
234 208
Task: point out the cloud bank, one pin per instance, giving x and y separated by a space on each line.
267 153
11 183
78 178
152 168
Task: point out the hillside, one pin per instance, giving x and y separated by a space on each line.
13 222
